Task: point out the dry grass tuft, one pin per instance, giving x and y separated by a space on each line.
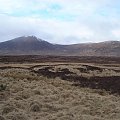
17 116
31 96
35 106
2 118
7 109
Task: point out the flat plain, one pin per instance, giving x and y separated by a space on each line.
59 88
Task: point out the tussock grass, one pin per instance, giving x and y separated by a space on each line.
2 118
30 96
2 87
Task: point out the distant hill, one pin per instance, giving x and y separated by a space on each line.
32 45
110 48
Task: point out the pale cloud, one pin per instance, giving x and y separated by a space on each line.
56 29
116 33
60 21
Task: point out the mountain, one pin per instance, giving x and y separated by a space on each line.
26 46
32 45
109 48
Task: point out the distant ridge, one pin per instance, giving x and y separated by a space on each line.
31 45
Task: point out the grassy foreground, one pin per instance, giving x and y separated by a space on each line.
27 93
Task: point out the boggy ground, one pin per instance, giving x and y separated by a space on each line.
71 59
59 91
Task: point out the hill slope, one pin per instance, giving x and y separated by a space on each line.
111 48
32 45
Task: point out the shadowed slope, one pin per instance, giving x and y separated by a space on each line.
32 45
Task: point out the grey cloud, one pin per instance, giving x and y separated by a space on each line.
88 26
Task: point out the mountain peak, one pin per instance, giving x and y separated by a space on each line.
34 46
27 39
31 36
25 44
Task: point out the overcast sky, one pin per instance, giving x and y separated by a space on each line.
61 21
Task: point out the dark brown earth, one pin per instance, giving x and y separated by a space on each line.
70 59
111 84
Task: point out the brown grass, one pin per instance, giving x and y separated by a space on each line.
33 96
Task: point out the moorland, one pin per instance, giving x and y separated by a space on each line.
59 88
